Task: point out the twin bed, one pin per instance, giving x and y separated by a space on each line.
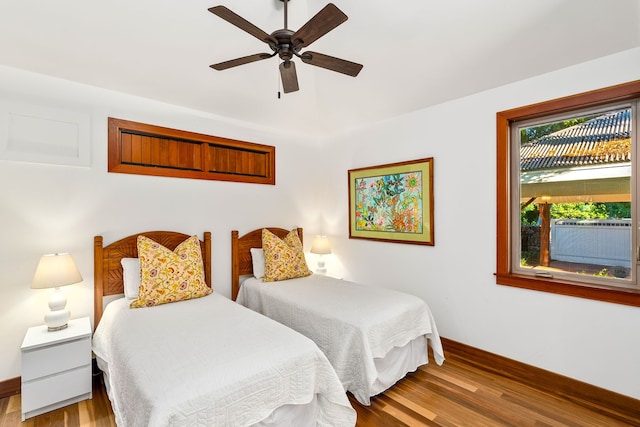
207 360
210 361
372 336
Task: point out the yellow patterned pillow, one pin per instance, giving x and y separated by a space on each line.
284 259
170 276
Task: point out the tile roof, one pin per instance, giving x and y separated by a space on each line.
605 139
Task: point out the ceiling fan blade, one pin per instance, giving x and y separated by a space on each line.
323 22
243 24
240 61
289 76
331 63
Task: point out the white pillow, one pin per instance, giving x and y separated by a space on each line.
257 258
131 277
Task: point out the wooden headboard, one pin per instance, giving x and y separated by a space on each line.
107 270
241 255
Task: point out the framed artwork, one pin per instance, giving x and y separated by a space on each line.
393 202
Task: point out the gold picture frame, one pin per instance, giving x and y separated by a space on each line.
392 202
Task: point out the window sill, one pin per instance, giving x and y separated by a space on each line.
624 296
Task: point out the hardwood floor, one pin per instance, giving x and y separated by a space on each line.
458 393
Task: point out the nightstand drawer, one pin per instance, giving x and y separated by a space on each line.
56 388
55 358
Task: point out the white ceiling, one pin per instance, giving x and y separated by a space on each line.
415 53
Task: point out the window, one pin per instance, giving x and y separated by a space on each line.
567 202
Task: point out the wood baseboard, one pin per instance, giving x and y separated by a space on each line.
10 387
587 395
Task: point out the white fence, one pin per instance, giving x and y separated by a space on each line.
592 241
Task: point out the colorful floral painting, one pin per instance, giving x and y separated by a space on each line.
392 202
389 203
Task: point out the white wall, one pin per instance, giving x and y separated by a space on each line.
47 208
591 341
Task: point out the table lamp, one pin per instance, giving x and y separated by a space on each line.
54 271
321 247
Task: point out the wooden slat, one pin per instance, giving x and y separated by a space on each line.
185 156
126 148
197 157
142 149
155 151
145 150
259 164
136 149
174 154
164 153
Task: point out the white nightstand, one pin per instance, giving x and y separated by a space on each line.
56 367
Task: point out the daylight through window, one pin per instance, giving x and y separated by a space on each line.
574 201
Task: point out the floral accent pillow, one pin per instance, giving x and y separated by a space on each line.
169 276
284 258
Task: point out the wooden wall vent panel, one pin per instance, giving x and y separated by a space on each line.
142 149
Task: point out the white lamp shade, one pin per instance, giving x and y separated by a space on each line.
56 270
320 245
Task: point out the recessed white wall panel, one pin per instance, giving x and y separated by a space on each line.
30 133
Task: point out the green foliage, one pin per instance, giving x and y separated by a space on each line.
619 210
530 214
579 210
535 132
602 273
530 258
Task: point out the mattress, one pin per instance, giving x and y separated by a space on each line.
366 332
210 361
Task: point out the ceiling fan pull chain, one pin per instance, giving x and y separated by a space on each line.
278 77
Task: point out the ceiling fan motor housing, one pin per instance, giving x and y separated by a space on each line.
284 48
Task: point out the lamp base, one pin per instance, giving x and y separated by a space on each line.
321 269
58 317
56 320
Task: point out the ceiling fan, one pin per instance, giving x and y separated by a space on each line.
287 43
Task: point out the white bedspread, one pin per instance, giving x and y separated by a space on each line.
210 361
350 322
